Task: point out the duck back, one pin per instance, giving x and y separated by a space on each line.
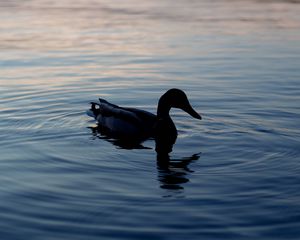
124 122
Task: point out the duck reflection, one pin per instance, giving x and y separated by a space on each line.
127 143
173 173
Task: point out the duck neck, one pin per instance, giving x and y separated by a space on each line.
163 109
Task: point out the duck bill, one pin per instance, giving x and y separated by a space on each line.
192 112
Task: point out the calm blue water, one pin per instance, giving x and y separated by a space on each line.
233 175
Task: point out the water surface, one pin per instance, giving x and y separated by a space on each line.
235 174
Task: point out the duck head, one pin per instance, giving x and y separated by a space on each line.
175 98
165 130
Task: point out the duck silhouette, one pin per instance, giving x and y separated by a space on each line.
136 125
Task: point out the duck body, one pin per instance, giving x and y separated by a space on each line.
132 123
121 122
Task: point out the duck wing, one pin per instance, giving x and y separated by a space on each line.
121 120
147 119
108 109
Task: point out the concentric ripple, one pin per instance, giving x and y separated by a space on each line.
233 175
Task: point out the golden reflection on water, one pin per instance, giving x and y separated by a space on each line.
140 27
43 37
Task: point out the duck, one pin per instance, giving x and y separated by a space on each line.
132 123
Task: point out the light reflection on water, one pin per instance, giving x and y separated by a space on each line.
233 175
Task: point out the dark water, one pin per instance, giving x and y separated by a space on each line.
233 175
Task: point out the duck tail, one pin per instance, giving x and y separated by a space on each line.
93 111
102 101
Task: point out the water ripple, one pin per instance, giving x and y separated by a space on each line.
234 175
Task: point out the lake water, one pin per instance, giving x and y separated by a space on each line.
233 175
